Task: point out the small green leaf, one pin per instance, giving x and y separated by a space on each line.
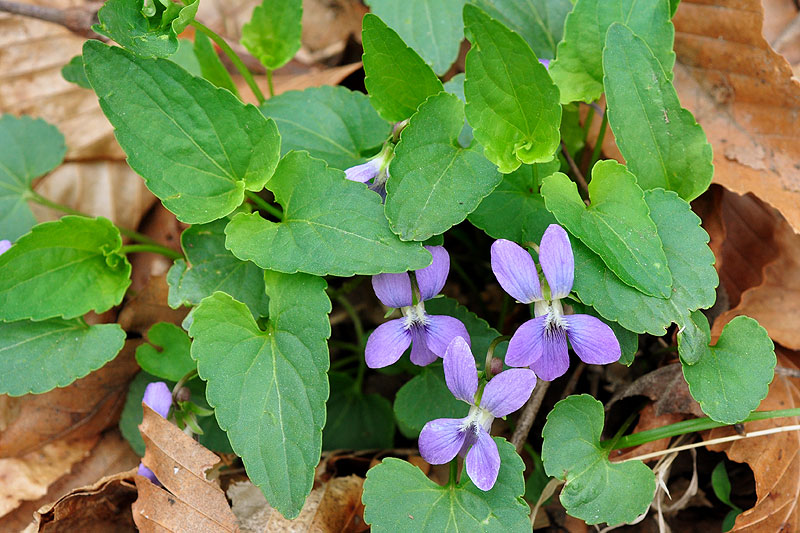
73 72
147 32
273 33
721 484
540 23
617 226
733 376
356 421
430 169
211 66
690 261
578 68
36 357
268 387
511 101
330 226
596 489
397 79
63 269
29 148
400 499
214 268
515 210
432 28
673 6
663 144
424 398
334 124
210 146
174 360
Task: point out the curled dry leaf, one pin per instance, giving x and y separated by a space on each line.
774 460
744 95
189 502
28 477
83 409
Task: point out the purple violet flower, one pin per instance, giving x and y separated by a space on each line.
442 439
4 246
546 63
427 334
158 397
376 169
541 343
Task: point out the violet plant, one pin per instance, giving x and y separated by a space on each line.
283 223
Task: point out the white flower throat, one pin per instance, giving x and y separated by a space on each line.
414 315
553 313
478 416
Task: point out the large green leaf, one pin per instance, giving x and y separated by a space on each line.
36 357
515 210
663 144
63 269
424 398
431 27
173 361
334 124
150 31
399 499
596 490
617 225
732 377
330 226
210 147
512 103
211 66
578 68
540 23
28 148
430 169
690 260
273 33
356 421
268 387
397 79
211 267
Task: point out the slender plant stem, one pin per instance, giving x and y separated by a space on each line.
185 379
269 83
690 426
41 200
487 365
575 170
598 145
235 59
263 204
344 361
529 415
453 472
359 327
503 312
154 248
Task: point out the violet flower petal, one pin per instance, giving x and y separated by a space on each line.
387 343
363 172
525 346
593 340
421 354
158 397
430 279
546 63
149 474
516 272
483 461
441 330
508 391
393 290
460 372
555 356
558 263
4 246
441 439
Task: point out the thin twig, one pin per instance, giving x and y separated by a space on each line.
575 170
76 19
789 372
529 415
569 388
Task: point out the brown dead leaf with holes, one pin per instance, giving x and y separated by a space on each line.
188 501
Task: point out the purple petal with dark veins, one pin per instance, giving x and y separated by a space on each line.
593 340
508 391
387 343
393 290
441 330
515 271
421 354
483 461
558 264
460 372
441 439
525 346
158 397
430 279
363 172
554 361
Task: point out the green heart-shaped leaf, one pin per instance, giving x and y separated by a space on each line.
173 360
273 33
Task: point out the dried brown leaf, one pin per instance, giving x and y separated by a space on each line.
189 502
